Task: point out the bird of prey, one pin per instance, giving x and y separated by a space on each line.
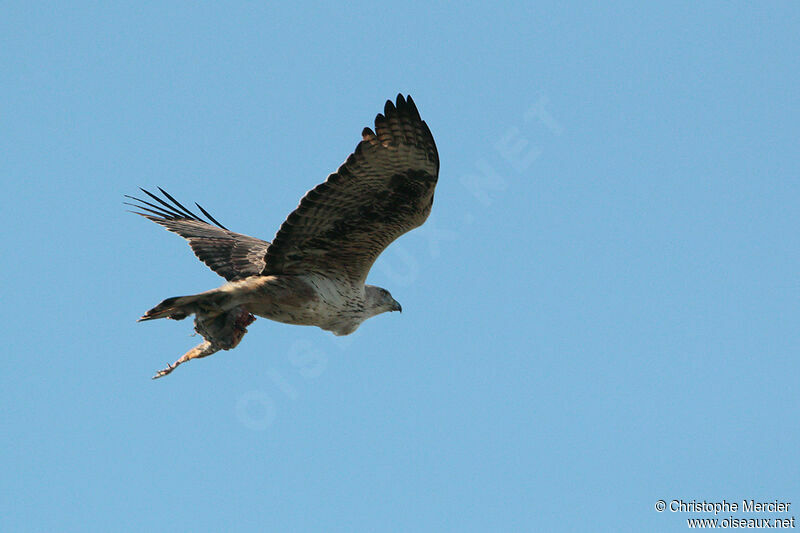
314 271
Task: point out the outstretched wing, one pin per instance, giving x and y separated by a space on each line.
231 255
384 189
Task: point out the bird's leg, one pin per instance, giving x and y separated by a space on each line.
204 349
221 332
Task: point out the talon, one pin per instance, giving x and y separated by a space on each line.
164 372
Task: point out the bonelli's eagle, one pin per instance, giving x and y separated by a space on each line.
314 271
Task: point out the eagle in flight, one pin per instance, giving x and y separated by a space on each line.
314 271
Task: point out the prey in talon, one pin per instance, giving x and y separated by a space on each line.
223 332
314 271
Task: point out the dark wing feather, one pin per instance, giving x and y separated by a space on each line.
384 189
231 255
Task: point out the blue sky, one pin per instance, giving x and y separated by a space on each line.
601 312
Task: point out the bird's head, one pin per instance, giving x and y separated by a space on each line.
380 301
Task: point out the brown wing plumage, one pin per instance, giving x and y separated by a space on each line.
231 255
384 189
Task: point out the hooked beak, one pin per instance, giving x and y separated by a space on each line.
396 306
